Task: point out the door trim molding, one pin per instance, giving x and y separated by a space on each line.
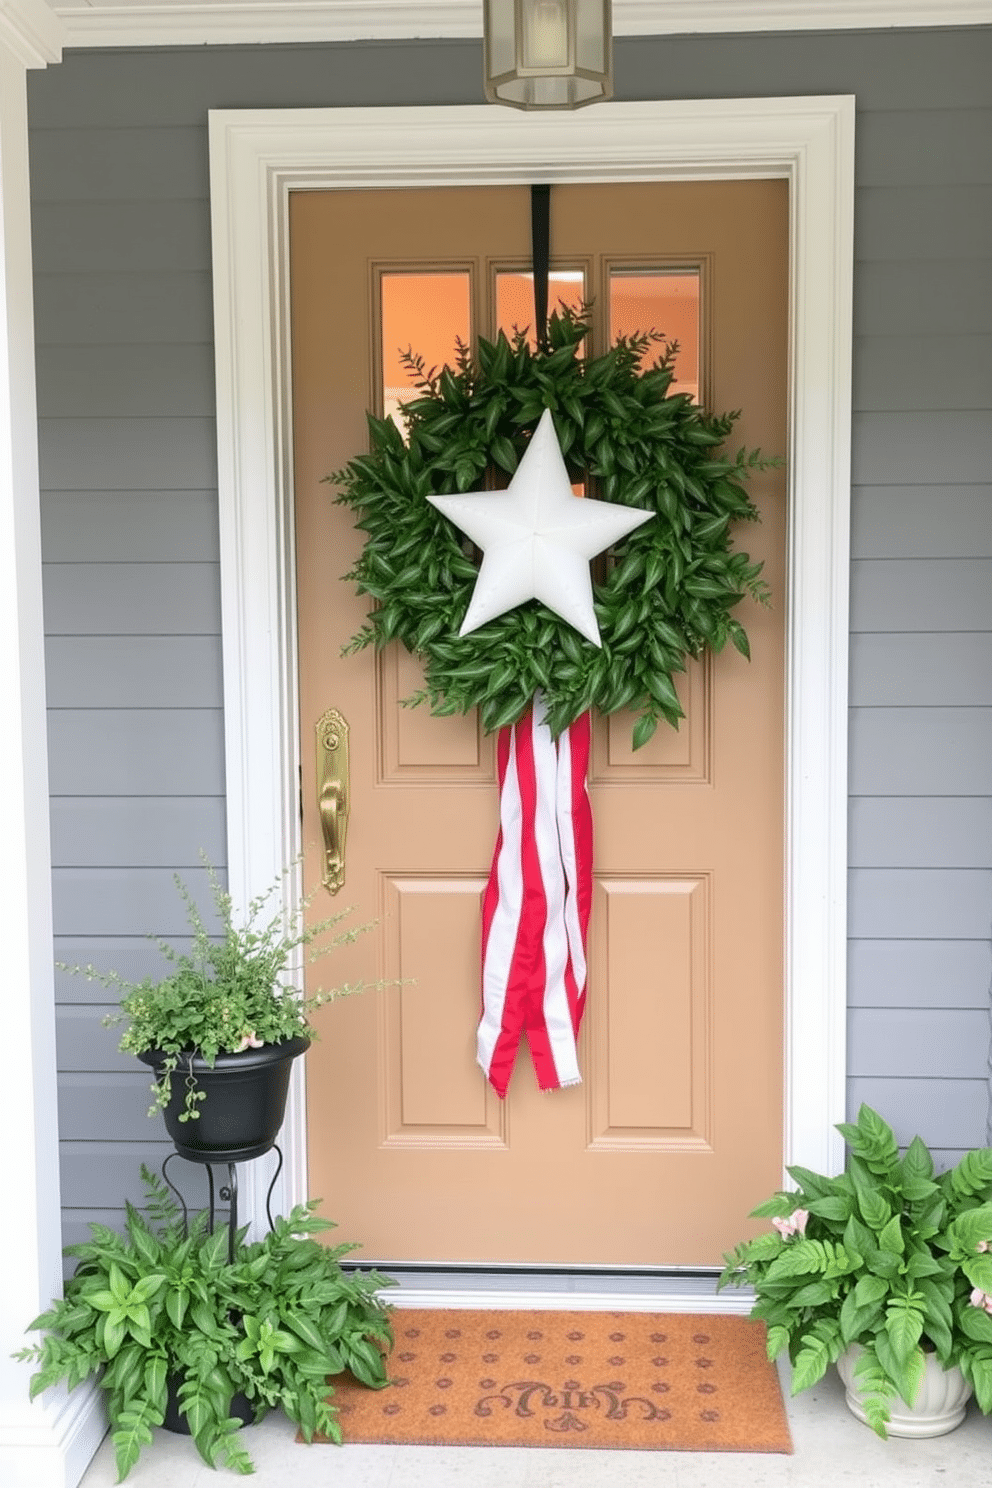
256 159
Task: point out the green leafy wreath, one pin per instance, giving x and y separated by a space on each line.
668 589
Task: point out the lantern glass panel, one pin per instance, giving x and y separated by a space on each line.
544 35
499 31
592 28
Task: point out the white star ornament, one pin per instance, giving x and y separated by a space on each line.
537 538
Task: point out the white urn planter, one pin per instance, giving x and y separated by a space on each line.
939 1407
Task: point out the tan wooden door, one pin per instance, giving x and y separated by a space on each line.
677 1129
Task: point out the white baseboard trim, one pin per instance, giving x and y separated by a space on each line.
531 1301
56 1451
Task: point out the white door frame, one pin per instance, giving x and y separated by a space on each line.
256 159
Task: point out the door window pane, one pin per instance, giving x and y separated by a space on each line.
515 298
665 300
424 312
515 306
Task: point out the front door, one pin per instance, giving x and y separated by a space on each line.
676 1130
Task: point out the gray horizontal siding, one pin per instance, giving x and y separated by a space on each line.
86 1045
919 446
920 892
919 973
140 671
147 752
120 237
103 1174
110 308
133 957
103 454
911 1043
126 381
895 668
921 751
922 147
166 89
149 832
97 165
124 329
922 372
109 901
920 832
914 221
85 1110
101 599
930 903
893 298
911 71
921 594
163 527
945 1113
930 522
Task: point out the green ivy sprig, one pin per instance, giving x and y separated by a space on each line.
669 588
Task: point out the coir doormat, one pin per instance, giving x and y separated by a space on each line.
677 1382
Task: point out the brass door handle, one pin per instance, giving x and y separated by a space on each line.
332 794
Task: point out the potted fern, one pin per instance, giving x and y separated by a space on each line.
227 1020
181 1335
885 1271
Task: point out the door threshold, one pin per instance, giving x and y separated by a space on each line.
562 1290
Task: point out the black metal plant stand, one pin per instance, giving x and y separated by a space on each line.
228 1193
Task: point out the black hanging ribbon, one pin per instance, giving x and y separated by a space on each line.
540 227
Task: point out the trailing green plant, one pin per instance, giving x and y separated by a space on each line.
229 991
672 586
888 1255
160 1308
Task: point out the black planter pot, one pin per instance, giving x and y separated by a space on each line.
244 1106
241 1409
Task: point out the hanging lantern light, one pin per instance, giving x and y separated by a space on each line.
547 54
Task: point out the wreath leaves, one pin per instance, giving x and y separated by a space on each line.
669 588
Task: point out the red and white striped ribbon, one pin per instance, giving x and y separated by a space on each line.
535 913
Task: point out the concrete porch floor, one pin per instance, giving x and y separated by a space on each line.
830 1448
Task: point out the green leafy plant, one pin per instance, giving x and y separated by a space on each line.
672 585
230 991
888 1255
160 1308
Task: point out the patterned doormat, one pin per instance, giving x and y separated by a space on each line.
681 1382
